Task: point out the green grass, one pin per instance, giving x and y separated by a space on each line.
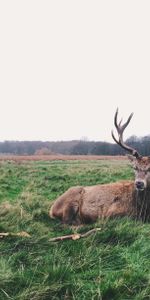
112 264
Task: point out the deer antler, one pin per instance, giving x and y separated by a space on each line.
120 129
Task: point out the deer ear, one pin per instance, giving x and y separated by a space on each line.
131 158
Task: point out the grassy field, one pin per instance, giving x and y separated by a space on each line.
111 264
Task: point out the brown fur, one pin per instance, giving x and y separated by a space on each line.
86 204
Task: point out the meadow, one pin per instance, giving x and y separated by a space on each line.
112 264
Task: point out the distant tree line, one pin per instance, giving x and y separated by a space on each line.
78 147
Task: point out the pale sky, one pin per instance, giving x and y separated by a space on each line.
66 65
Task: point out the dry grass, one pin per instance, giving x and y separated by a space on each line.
19 158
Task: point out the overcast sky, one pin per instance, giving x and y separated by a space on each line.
66 65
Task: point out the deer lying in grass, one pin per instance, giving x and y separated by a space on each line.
132 198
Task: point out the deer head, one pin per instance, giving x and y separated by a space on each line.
141 165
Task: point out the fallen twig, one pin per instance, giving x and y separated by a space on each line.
74 236
21 234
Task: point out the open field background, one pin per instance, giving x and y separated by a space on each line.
59 157
112 264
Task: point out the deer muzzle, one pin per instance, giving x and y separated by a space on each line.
140 185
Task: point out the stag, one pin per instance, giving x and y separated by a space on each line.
80 204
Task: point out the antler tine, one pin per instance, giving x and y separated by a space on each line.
115 118
127 122
120 129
